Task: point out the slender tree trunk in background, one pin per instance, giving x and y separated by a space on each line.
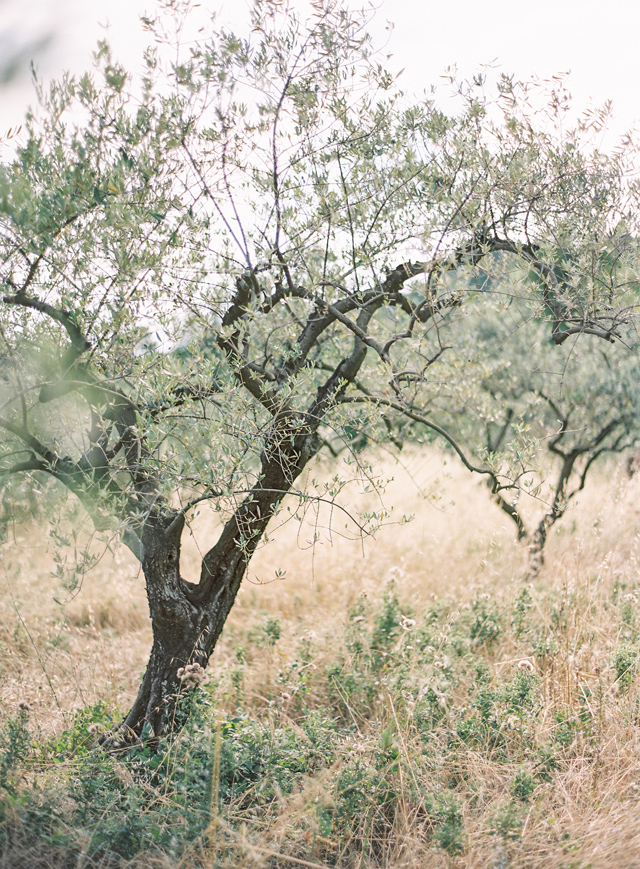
536 549
557 511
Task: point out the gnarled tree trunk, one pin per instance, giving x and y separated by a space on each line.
188 618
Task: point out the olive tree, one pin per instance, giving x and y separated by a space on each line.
208 275
548 414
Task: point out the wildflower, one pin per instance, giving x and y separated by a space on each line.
526 664
23 706
192 674
406 623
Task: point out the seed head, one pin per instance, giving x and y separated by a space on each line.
526 664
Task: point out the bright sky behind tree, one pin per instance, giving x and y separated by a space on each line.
596 42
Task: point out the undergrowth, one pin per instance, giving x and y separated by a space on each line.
451 736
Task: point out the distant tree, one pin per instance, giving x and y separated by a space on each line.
204 280
546 413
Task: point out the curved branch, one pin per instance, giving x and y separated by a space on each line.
32 442
30 464
416 417
79 342
512 512
77 480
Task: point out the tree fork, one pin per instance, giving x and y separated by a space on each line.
187 618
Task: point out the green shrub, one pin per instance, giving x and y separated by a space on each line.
15 743
625 662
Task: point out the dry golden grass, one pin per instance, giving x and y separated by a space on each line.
460 548
60 652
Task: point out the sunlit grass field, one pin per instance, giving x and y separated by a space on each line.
408 701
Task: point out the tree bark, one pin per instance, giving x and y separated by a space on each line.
187 618
176 624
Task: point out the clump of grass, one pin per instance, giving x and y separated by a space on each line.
15 742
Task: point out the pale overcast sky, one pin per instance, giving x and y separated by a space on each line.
597 42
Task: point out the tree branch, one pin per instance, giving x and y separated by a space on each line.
512 512
79 342
30 464
385 402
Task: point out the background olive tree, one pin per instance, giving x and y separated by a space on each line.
547 413
206 278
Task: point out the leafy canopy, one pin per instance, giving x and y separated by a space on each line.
265 245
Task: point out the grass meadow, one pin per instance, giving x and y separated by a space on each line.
407 703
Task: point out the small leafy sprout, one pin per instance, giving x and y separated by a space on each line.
523 786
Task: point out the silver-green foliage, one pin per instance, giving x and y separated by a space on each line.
203 266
